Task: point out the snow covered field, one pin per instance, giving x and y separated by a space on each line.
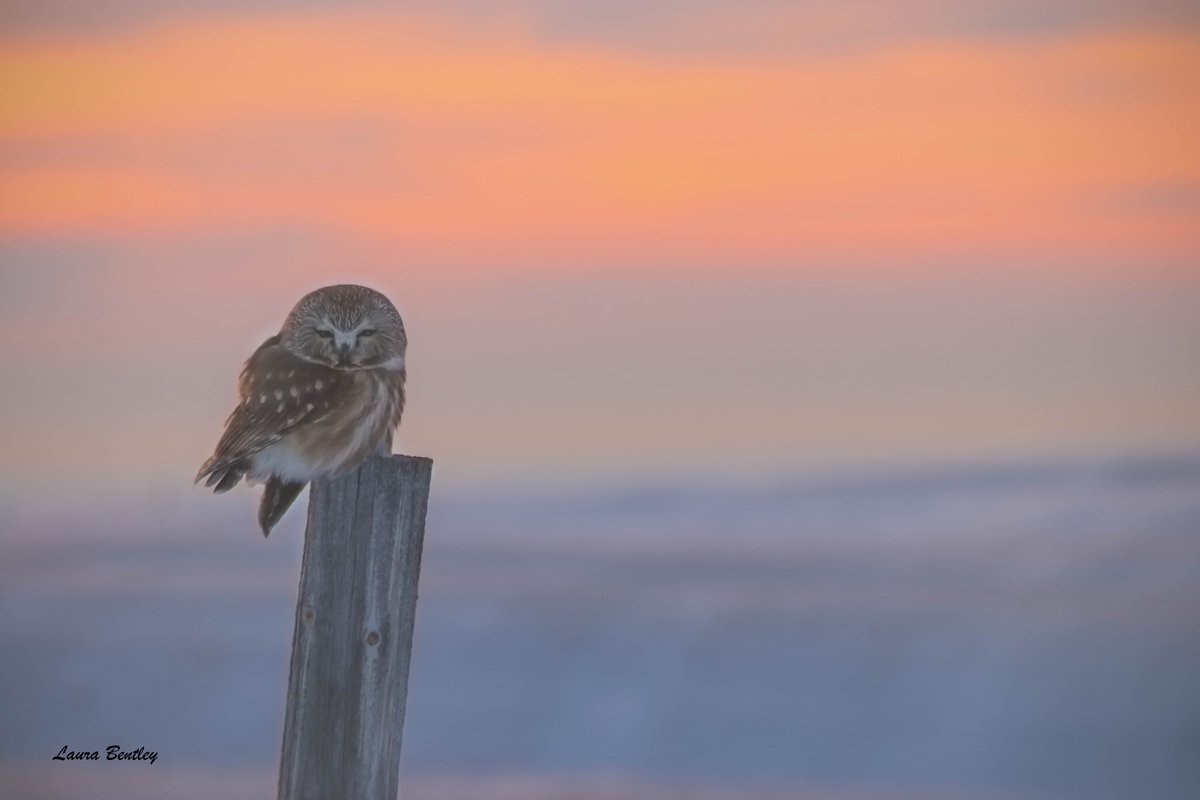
1005 632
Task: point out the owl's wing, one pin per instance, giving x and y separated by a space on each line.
280 394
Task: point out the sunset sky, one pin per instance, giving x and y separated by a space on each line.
631 241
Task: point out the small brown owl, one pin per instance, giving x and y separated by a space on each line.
317 399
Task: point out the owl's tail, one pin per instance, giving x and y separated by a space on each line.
277 498
222 474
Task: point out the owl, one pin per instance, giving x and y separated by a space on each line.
316 399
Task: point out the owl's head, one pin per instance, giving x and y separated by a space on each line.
346 327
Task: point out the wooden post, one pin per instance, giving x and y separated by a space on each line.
353 637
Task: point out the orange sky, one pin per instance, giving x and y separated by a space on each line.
505 149
750 238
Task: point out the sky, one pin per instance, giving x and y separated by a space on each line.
631 242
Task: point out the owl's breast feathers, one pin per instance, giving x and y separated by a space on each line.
299 420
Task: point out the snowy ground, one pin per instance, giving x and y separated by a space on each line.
1017 632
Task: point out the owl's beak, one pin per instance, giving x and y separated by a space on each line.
344 355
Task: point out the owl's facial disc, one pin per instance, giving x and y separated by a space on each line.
346 327
351 349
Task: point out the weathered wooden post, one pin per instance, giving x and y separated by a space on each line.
354 628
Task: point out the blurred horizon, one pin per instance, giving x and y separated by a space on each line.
1024 633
